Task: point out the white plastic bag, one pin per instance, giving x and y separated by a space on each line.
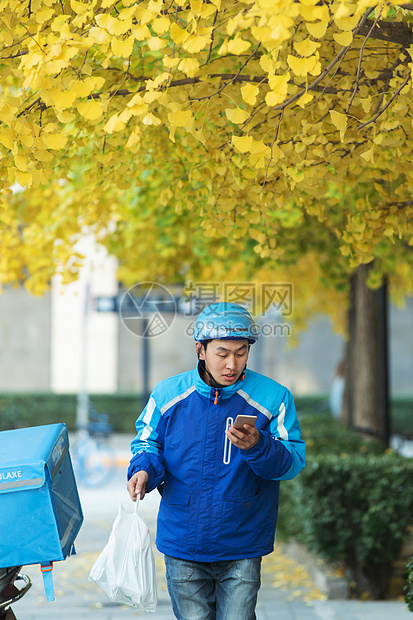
125 569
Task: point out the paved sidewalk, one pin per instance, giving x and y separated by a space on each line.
77 599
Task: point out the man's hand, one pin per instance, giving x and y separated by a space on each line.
244 438
137 485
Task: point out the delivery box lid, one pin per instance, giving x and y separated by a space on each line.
26 452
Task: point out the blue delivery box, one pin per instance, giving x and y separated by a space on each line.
40 508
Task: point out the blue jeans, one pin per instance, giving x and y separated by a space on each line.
224 590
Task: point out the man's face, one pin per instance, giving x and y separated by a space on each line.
224 359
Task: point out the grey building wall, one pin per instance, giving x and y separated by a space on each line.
401 349
24 341
25 345
307 368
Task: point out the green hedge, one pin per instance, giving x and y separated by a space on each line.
409 586
401 411
29 409
352 504
357 510
32 409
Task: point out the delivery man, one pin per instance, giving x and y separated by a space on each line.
219 480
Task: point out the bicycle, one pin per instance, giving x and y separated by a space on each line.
93 459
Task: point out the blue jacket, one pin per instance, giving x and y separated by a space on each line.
218 502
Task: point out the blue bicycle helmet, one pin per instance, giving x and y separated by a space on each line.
225 321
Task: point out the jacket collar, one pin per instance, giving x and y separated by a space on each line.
206 390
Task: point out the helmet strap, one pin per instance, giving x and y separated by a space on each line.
212 381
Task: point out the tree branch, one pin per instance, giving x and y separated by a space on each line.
272 146
360 59
392 98
393 32
232 79
335 60
212 37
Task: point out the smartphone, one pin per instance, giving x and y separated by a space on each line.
244 419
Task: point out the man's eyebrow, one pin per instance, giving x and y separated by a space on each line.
221 348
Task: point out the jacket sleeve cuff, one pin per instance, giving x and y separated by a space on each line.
155 470
257 448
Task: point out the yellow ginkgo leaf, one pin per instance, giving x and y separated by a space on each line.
155 43
317 29
21 163
22 128
136 100
281 33
249 93
196 6
279 83
238 46
242 144
343 38
155 6
267 63
125 115
64 117
178 35
123 49
279 89
259 147
169 62
62 99
27 141
304 99
151 119
180 118
54 140
99 36
55 66
161 25
306 47
44 16
346 23
301 66
340 121
90 109
43 155
196 43
78 7
366 104
133 139
114 26
6 140
58 22
81 88
236 115
24 178
369 155
273 99
141 32
189 66
207 10
114 124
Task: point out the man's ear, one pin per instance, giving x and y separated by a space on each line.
200 351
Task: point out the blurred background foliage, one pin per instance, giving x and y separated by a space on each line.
21 409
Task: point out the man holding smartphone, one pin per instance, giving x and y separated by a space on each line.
218 474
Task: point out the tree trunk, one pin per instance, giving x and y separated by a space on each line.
366 395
